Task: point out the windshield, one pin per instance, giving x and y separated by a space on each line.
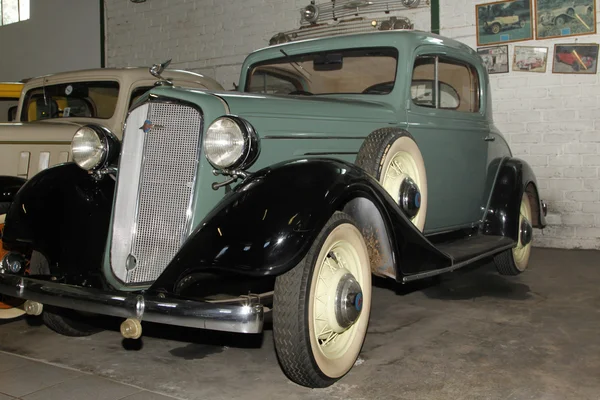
77 99
356 71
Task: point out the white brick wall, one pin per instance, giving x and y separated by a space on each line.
207 36
553 122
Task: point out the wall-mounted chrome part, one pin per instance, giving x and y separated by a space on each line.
157 69
94 147
395 23
410 197
241 317
231 144
13 263
342 27
411 3
544 208
310 13
526 232
348 301
332 11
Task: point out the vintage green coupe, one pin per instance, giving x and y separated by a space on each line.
340 158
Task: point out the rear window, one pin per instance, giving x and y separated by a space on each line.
76 99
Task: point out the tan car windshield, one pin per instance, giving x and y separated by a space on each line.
77 99
356 71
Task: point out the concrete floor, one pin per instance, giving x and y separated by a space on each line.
470 335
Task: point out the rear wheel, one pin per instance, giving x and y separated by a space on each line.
321 307
67 322
495 28
516 260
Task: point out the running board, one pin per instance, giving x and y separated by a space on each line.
428 274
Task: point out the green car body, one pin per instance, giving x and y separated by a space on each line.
224 205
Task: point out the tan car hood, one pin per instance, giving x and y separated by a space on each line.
38 132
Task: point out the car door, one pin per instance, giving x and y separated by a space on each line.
446 117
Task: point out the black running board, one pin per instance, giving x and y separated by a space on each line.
461 264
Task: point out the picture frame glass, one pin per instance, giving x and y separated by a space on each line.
503 22
530 59
495 58
575 58
562 18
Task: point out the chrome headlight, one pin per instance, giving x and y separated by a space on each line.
231 143
94 147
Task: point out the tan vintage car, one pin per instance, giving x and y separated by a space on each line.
52 108
9 99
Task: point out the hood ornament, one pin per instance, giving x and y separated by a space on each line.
157 69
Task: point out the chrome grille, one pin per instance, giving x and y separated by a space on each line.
166 179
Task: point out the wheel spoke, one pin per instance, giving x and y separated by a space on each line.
330 339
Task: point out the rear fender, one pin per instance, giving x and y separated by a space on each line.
268 223
515 177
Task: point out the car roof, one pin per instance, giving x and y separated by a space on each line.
129 73
413 38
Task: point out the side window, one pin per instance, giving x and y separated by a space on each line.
440 82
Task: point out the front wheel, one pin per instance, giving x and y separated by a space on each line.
10 307
321 307
67 322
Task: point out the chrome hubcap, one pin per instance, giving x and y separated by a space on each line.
348 301
410 197
526 232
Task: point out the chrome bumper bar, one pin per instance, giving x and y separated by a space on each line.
241 318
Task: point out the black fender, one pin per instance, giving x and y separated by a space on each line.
9 186
514 178
63 213
267 224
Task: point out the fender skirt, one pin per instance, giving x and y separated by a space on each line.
268 223
515 177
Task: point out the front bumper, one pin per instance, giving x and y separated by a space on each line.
240 317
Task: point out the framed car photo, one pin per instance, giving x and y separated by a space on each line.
560 18
503 21
495 58
575 58
530 59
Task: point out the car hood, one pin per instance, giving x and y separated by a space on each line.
300 115
40 131
295 116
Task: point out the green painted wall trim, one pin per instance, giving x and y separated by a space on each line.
435 16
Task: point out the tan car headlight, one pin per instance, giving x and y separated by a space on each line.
93 147
231 143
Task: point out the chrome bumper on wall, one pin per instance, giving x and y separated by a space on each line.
241 318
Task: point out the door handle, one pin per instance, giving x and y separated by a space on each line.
489 138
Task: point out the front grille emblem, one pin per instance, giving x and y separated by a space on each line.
147 126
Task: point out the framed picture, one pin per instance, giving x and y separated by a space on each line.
503 21
495 58
530 59
560 18
575 58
